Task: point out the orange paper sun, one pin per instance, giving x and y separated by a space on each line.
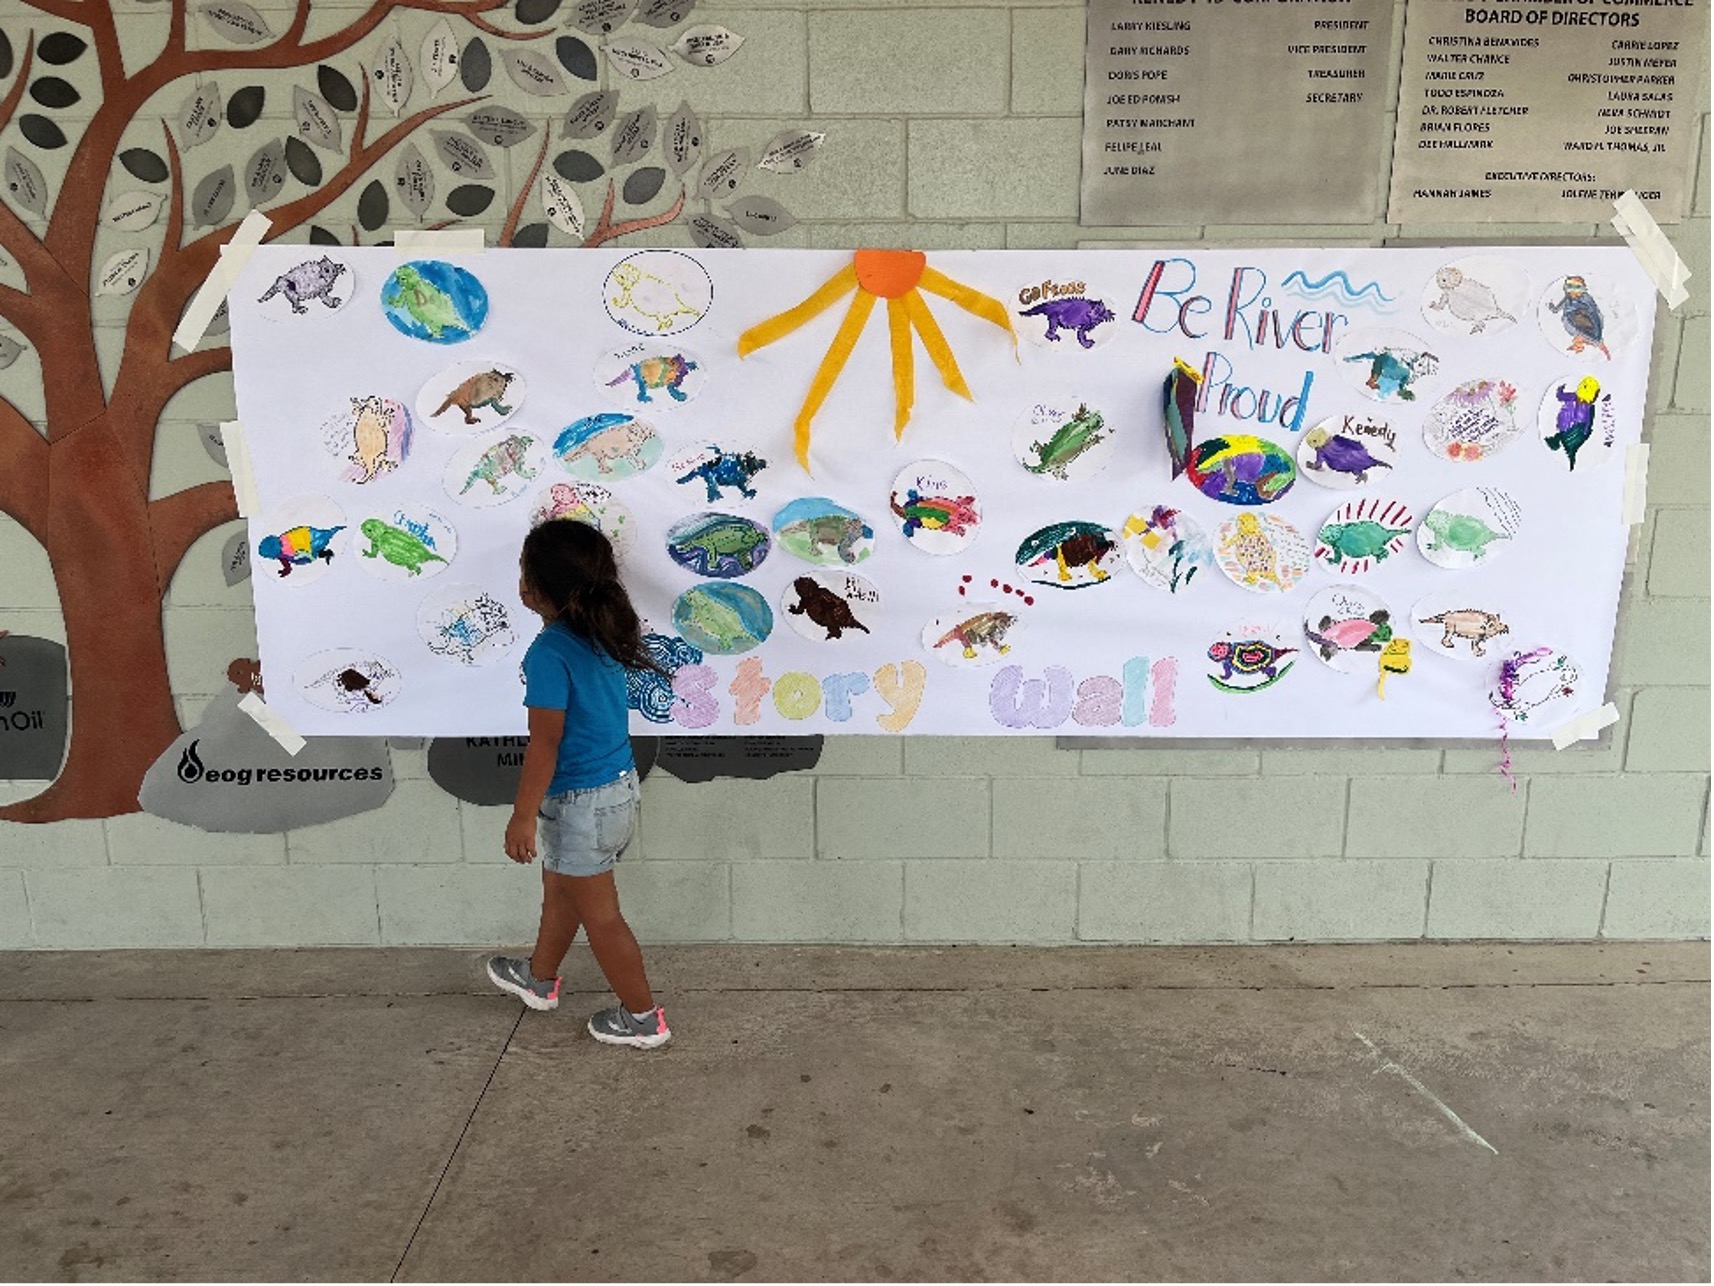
899 277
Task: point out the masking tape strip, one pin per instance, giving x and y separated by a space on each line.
1636 225
1636 482
233 256
270 722
238 460
440 241
1585 726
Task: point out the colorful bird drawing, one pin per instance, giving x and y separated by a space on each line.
899 277
1178 400
1581 316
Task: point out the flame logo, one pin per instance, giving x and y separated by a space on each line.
190 764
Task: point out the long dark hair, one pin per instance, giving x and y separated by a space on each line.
570 564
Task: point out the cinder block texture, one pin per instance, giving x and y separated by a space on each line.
1690 389
817 901
1014 168
1658 816
105 908
58 844
1087 817
1669 731
419 823
1435 817
1678 557
1047 61
1678 460
990 901
1353 901
14 912
907 61
140 839
1487 899
676 901
458 905
1026 757
1664 642
1164 902
726 819
272 906
904 818
1246 819
1657 899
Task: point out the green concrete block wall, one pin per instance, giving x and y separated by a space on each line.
949 125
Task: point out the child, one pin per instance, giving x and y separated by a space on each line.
579 778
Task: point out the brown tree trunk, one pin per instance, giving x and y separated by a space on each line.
98 539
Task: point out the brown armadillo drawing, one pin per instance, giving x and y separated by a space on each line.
484 389
369 434
824 607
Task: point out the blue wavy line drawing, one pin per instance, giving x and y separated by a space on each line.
1347 293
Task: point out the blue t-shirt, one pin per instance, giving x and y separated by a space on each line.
564 671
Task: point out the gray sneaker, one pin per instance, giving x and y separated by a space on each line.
616 1026
513 975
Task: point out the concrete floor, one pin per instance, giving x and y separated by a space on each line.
1413 1112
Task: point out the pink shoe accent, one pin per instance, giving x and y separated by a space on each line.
554 994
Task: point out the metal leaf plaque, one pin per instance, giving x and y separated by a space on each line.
761 215
791 151
265 172
439 59
237 22
598 17
634 135
591 114
122 273
199 115
318 123
664 13
212 200
499 126
532 72
707 46
392 75
462 155
637 59
24 181
132 211
682 140
714 234
560 204
413 179
723 173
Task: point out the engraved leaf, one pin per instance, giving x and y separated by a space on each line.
723 173
212 200
265 172
221 322
532 71
439 60
144 164
637 59
336 88
560 204
235 559
123 273
577 167
531 12
599 17
25 182
591 114
302 162
372 206
60 48
475 66
40 131
392 75
470 200
317 121
682 140
245 106
714 234
10 350
707 46
791 151
634 135
576 57
237 22
53 92
664 13
642 186
199 115
462 154
497 125
132 211
320 236
413 179
212 442
532 236
761 215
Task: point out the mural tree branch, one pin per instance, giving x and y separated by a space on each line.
80 485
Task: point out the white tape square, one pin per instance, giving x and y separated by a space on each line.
270 722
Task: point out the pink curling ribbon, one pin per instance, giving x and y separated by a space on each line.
1508 693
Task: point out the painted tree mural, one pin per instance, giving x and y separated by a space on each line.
82 487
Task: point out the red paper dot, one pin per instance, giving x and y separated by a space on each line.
994 583
1028 601
967 580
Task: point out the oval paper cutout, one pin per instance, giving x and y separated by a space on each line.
471 397
1579 422
1262 552
589 503
436 301
819 531
1481 295
1363 533
1239 469
1537 686
347 681
372 435
1069 555
1466 624
409 543
1250 658
467 624
301 539
976 635
657 292
829 607
1066 439
723 618
936 507
1469 527
1166 547
1347 626
1585 316
721 470
608 447
1348 451
1474 421
494 469
718 545
654 375
1062 315
1390 366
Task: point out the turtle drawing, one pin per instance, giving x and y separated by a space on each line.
827 609
1575 423
720 545
482 391
1391 373
1581 316
1074 313
659 374
1080 434
984 630
1338 453
1068 555
724 619
1242 658
607 439
1253 551
507 458
426 303
312 279
953 514
1351 634
651 297
821 535
1349 542
727 469
399 547
1470 301
298 547
1470 624
1461 533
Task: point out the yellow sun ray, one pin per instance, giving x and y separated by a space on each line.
833 362
939 351
904 365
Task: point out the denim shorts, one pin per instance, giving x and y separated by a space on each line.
583 832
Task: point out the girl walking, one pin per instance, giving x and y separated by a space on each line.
579 782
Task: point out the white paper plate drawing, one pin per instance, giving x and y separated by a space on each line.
1479 295
650 375
1466 623
471 397
657 292
1166 547
410 542
1348 451
1347 626
1579 422
1389 366
347 680
1474 421
494 469
301 539
1469 527
309 290
1584 315
1068 439
830 607
936 507
467 624
1262 552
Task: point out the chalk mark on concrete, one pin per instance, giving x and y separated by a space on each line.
1388 1065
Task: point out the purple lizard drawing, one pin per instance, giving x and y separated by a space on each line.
1073 313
